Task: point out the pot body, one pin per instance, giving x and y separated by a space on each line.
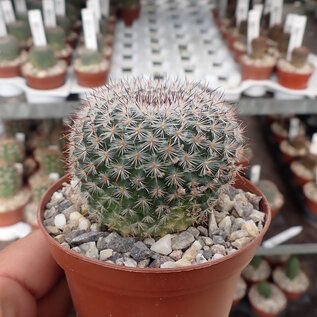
10 71
101 289
292 80
46 83
129 15
91 80
11 217
255 72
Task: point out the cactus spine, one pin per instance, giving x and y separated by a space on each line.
264 289
152 157
10 180
9 48
11 150
42 57
293 267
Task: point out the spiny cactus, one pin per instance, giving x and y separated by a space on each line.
12 127
90 57
64 23
299 56
264 289
293 267
10 180
259 47
11 150
9 48
256 261
152 157
42 57
269 189
50 161
39 185
56 38
20 30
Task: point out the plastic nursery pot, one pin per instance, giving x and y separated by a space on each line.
260 313
45 83
230 40
255 72
91 80
288 159
11 217
102 289
129 15
10 71
292 80
292 295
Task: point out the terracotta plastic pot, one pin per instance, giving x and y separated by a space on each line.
255 72
91 80
292 295
102 289
288 159
129 15
10 71
237 53
292 80
46 83
230 40
11 217
311 205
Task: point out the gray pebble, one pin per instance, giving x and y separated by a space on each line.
115 257
208 254
116 243
72 235
160 260
144 263
77 250
218 240
195 232
182 241
130 262
149 242
140 251
49 222
87 237
49 213
105 254
176 255
65 245
203 231
64 205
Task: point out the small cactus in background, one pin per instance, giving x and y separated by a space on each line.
20 30
90 57
104 25
256 261
56 38
259 47
152 157
64 23
50 161
12 127
11 150
275 32
283 41
39 185
10 180
293 267
269 189
9 48
243 27
264 289
299 56
42 57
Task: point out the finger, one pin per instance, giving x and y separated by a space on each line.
56 303
29 262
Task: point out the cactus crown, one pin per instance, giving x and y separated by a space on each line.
283 40
90 57
264 289
42 57
11 151
299 56
256 261
259 46
269 189
10 180
153 156
20 30
9 48
56 38
293 267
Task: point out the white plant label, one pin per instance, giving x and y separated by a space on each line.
255 173
276 12
242 11
20 137
49 13
60 7
105 8
254 18
89 27
3 28
313 145
297 34
294 128
267 6
91 4
223 4
258 7
37 28
289 22
20 6
8 12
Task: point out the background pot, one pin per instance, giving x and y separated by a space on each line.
91 80
204 290
292 80
255 72
45 83
11 217
10 71
129 15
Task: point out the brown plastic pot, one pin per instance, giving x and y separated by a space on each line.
91 80
102 289
11 217
129 15
255 72
292 80
10 71
46 83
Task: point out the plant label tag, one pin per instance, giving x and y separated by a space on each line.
223 4
242 11
289 22
20 137
313 145
89 27
105 8
254 18
7 10
54 177
255 173
91 4
3 28
20 6
297 34
60 7
258 7
293 131
37 28
276 12
49 13
267 6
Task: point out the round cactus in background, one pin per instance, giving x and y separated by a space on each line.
11 150
10 180
42 57
9 48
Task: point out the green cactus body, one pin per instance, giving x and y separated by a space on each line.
264 289
11 151
64 23
9 48
42 57
293 267
12 127
51 161
153 157
39 185
20 30
269 190
56 38
10 180
90 57
256 261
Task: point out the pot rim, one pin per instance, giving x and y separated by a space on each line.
77 256
293 73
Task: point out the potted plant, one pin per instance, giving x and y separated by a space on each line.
43 71
310 193
257 271
148 160
21 31
304 169
65 23
240 292
130 11
296 73
240 44
280 130
291 279
91 69
267 300
294 148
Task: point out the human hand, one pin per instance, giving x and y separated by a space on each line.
31 283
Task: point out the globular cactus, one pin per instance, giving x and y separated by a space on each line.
50 161
264 289
56 38
275 32
20 30
293 267
90 57
259 47
42 57
269 189
12 127
64 23
9 48
10 180
11 151
39 185
283 40
152 157
299 56
256 261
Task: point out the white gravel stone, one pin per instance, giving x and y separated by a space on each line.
60 221
163 246
208 241
212 223
74 219
57 198
217 256
83 224
169 265
225 225
200 259
240 243
182 263
251 228
217 248
130 262
197 245
190 254
95 227
105 254
238 235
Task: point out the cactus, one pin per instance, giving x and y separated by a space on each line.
90 57
9 48
11 151
64 23
12 127
275 32
264 289
256 261
299 56
104 25
10 180
310 162
153 157
50 161
298 142
283 41
130 3
20 30
269 189
56 38
39 185
293 267
259 47
42 57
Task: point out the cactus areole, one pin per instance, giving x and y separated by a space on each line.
152 157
